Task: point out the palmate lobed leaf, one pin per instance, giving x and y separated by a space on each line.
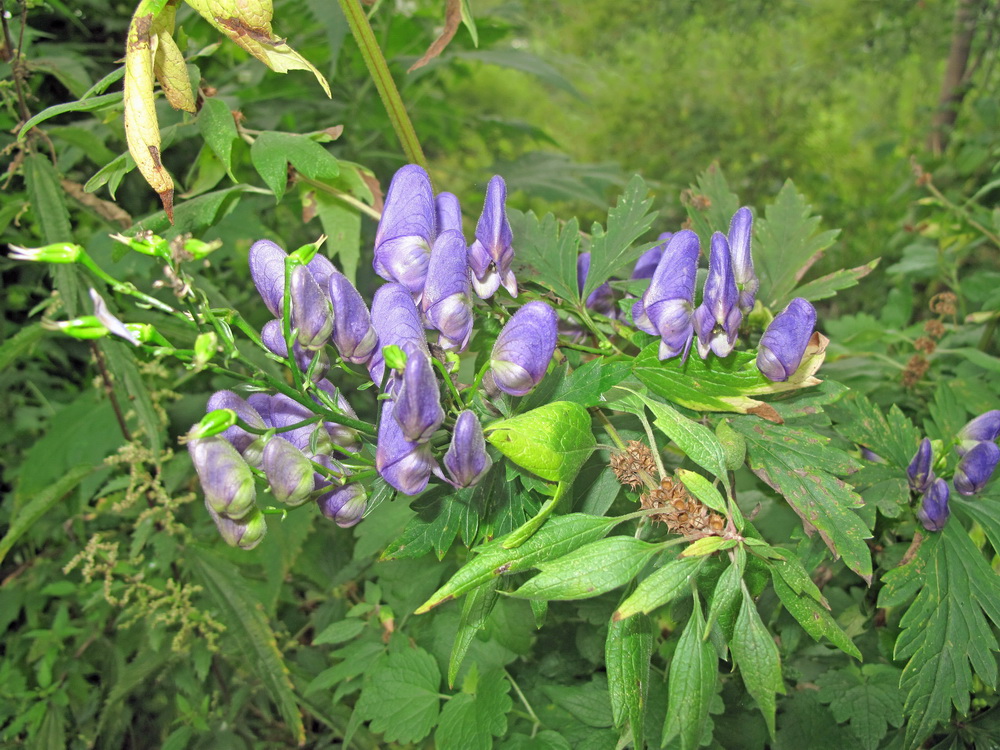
546 253
868 697
401 695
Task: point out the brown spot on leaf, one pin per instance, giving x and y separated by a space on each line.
766 411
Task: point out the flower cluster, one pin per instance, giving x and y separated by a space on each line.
978 458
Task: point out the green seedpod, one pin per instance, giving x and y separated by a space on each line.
395 358
734 445
205 347
213 423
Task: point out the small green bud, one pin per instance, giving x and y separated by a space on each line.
199 249
60 252
205 347
395 358
734 445
213 423
145 243
85 327
451 361
307 252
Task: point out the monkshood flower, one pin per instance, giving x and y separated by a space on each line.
717 319
274 339
417 406
934 511
666 308
267 269
406 230
449 214
402 463
280 411
248 444
466 459
602 299
397 323
976 468
225 477
524 348
645 267
740 236
491 254
784 342
984 427
312 320
108 320
919 471
342 437
289 472
246 533
345 504
353 334
447 297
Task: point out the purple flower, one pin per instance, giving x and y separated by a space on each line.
919 471
248 444
934 511
289 471
491 254
225 477
524 348
274 339
267 269
417 406
108 320
976 468
449 214
397 323
666 307
717 319
602 299
466 459
280 411
345 504
407 229
342 437
784 342
740 237
245 534
404 464
353 333
645 267
311 318
447 298
984 427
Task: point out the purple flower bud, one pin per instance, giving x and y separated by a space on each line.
281 411
397 323
321 268
267 269
934 511
666 307
717 319
984 427
417 407
447 298
245 442
602 299
407 229
740 237
919 471
311 318
225 477
449 214
404 464
274 339
342 437
784 342
645 267
976 468
353 333
288 471
245 534
466 459
524 348
344 505
491 254
869 455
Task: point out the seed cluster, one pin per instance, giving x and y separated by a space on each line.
682 513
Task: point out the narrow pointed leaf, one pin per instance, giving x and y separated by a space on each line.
691 685
669 582
756 654
627 651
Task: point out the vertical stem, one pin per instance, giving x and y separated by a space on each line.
387 90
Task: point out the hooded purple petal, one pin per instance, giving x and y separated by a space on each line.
245 534
934 511
344 505
785 340
267 269
289 471
666 307
740 237
466 459
984 427
447 298
976 468
602 299
242 440
397 323
342 437
322 269
449 214
919 471
353 333
284 412
407 229
311 316
492 251
274 339
225 477
717 319
645 267
417 406
404 464
524 349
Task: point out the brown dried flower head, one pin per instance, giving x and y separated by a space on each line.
682 513
634 462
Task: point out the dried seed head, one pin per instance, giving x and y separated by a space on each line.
934 328
631 464
925 344
682 513
915 370
943 303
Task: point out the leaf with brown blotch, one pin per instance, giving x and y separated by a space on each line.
452 20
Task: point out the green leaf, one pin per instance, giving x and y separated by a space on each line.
589 571
552 441
557 537
667 583
591 380
217 127
518 59
612 251
708 545
627 652
469 21
439 517
715 213
801 466
723 607
400 696
41 503
249 630
48 200
945 633
787 244
132 389
342 225
813 618
193 215
19 345
475 611
869 698
829 285
547 254
894 438
340 631
111 174
702 489
83 105
272 151
471 719
692 684
587 703
756 654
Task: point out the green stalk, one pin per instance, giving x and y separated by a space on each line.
379 71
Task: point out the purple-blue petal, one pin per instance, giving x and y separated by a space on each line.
785 340
524 349
740 240
976 468
397 323
353 334
402 463
447 297
267 269
466 459
417 406
225 477
934 510
717 319
919 472
407 229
